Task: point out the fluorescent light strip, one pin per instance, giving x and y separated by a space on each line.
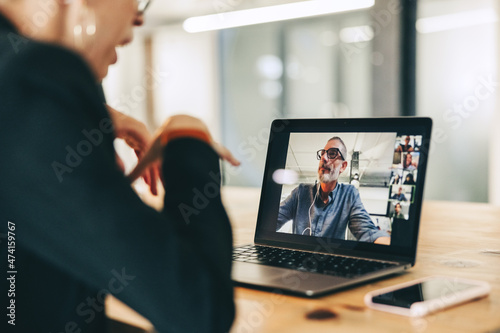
456 21
272 14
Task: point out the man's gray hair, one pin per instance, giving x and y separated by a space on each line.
343 148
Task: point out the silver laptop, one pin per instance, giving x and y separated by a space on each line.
340 204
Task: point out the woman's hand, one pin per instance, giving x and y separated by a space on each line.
175 123
137 137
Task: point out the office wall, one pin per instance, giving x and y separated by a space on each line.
190 85
250 97
455 71
182 78
124 86
450 66
323 67
495 133
125 90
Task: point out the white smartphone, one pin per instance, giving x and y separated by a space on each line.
423 296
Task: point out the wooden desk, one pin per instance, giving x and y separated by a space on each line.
456 239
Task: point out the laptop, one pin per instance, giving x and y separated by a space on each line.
340 204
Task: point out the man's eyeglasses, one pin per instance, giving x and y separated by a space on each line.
331 153
142 5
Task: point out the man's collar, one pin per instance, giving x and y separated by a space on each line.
330 195
335 188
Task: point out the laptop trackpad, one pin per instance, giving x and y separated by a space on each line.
253 273
286 279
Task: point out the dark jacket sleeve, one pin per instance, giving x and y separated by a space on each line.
74 209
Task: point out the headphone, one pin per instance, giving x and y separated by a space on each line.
309 214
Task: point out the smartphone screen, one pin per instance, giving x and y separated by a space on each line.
424 291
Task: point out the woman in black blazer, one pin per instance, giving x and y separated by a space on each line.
77 229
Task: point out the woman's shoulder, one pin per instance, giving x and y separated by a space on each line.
32 61
32 70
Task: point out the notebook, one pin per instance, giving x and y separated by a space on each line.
340 204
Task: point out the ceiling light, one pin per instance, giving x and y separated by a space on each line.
272 14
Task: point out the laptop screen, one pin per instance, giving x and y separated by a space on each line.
336 184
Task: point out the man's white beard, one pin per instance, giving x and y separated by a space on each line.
332 176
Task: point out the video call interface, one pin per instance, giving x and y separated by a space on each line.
349 186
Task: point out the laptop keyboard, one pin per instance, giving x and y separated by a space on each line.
307 261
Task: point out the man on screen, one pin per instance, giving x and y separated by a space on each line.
400 196
327 209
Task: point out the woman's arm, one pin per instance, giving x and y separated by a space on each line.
137 137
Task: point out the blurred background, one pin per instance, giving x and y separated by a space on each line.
436 58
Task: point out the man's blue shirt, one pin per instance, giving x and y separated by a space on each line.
343 209
399 197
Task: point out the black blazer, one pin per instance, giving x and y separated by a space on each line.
80 230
